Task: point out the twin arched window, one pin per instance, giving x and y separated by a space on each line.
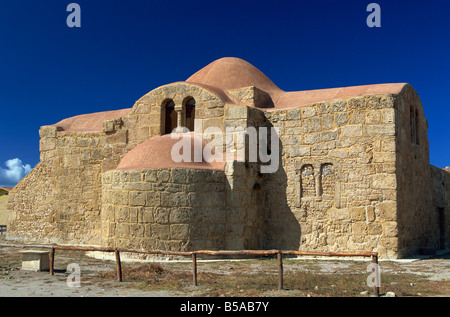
171 115
317 185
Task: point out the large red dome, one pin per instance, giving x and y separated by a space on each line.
230 73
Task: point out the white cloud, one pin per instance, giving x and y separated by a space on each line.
15 170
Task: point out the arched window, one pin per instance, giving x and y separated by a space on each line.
308 182
190 114
327 179
412 123
171 117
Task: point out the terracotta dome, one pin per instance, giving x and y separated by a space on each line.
156 153
230 73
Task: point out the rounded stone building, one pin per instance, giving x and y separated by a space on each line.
152 202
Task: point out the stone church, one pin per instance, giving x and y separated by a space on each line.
353 172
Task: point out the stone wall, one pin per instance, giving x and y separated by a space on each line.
336 188
183 209
440 211
164 209
147 117
3 208
33 206
246 227
416 223
60 200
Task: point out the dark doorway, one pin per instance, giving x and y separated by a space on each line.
441 228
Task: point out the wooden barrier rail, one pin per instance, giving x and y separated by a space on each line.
193 254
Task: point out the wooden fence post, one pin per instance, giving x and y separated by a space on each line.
194 268
377 276
280 270
118 266
52 261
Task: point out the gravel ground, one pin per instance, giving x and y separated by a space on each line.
19 283
42 284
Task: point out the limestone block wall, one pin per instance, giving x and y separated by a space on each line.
147 117
184 209
246 223
336 186
32 207
59 201
241 131
417 223
3 209
440 210
164 209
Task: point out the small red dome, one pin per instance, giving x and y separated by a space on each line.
157 153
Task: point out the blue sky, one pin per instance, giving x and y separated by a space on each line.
124 49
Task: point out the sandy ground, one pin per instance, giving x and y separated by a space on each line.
15 282
41 284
